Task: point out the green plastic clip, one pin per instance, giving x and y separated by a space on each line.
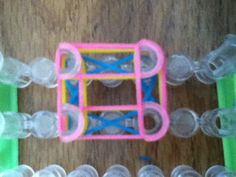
8 148
227 99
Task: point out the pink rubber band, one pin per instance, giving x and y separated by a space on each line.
78 59
160 57
165 122
80 127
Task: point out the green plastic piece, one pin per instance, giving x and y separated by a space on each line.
8 148
227 99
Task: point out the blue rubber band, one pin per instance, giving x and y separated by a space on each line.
148 86
144 158
108 66
73 91
114 122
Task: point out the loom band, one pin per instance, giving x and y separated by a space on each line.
148 89
115 121
106 66
93 60
165 122
104 125
158 51
73 98
112 68
73 93
127 129
98 128
103 65
66 47
152 83
112 121
151 87
107 124
119 62
130 114
148 95
124 60
149 98
69 86
147 92
75 113
74 101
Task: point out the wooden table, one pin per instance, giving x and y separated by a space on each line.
34 28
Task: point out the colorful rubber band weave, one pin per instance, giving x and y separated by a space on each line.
74 85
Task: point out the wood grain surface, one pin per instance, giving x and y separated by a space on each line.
31 28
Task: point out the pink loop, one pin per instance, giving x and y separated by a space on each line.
165 122
159 53
80 127
78 59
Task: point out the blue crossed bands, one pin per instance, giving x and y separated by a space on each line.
114 123
74 92
102 66
148 86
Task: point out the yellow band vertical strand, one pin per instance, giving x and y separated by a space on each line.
64 91
85 101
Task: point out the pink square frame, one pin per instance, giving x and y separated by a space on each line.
74 48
